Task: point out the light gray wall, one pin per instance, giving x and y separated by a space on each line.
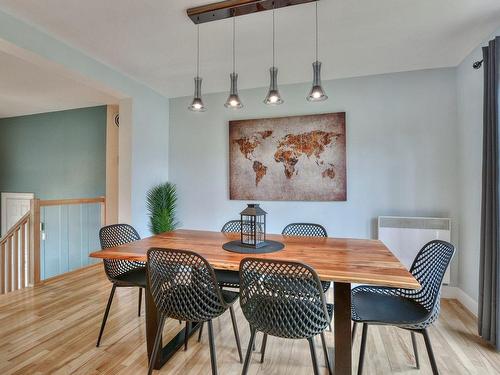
401 152
470 132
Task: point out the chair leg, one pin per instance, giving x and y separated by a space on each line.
156 345
249 351
213 354
415 350
140 302
362 350
325 352
201 331
430 352
263 348
313 355
353 333
236 333
186 336
253 345
110 299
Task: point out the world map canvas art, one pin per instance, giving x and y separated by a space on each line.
299 158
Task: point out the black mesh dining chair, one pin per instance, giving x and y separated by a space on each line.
121 273
229 279
413 310
226 278
304 230
286 300
232 226
307 230
184 287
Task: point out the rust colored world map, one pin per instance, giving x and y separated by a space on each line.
289 150
309 155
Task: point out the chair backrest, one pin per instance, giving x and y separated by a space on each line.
232 226
305 230
183 285
116 235
429 268
283 299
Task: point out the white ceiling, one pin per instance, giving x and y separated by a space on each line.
26 88
154 41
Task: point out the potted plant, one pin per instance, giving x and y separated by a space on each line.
161 201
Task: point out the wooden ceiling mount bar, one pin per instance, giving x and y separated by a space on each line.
235 8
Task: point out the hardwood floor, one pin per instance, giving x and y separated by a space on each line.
52 329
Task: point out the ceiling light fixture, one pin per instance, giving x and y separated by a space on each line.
233 100
317 94
273 96
197 103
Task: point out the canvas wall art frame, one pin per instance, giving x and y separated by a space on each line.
296 158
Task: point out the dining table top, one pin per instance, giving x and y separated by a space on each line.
346 260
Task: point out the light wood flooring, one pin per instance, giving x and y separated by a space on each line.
52 329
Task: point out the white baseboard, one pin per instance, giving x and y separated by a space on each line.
454 292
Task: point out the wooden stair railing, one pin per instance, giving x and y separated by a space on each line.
15 263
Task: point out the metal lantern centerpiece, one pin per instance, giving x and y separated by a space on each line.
252 234
253 226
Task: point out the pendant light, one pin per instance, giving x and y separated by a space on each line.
233 100
273 96
197 103
317 94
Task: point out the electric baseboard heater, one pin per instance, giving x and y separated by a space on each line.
405 236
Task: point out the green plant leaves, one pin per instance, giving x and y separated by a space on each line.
161 201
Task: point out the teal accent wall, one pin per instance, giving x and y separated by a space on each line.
55 155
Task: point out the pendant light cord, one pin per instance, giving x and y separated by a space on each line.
274 37
316 30
198 50
234 45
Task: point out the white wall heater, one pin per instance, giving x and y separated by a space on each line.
405 236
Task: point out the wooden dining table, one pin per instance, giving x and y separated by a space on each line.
341 260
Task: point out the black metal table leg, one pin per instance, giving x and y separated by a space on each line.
152 321
342 328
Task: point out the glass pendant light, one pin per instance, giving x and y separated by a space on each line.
317 94
273 96
197 103
233 100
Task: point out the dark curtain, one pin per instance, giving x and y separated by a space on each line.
489 288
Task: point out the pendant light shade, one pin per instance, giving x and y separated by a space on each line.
273 96
233 100
197 103
317 94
